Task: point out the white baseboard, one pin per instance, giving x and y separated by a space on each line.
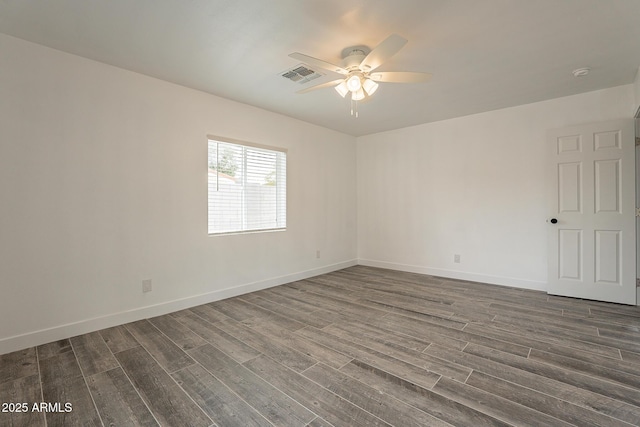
43 336
453 274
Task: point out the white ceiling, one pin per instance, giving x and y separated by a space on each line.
483 55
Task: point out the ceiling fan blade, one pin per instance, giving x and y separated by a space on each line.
321 86
399 77
310 60
381 53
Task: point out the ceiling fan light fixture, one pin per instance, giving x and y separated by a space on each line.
370 86
357 95
342 89
357 66
354 83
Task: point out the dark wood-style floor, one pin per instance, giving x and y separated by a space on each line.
357 347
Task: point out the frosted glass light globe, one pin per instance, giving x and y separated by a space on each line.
353 83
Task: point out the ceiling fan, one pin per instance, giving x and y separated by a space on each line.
358 67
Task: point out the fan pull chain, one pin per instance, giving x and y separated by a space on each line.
354 108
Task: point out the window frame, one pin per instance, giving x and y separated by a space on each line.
244 230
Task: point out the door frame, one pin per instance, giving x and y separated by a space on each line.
637 154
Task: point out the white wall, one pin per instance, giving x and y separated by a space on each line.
473 186
103 183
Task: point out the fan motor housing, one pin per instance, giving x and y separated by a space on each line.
353 61
353 56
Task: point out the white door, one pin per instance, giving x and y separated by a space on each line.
591 223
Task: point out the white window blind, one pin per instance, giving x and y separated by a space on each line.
247 188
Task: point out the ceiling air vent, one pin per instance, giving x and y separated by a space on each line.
301 74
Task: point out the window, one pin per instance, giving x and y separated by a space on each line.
247 187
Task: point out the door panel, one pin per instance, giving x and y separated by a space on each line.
592 246
570 188
569 144
570 254
607 260
607 186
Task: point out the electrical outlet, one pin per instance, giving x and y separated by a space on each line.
318 253
146 286
456 258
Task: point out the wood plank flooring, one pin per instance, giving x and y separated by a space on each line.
357 347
